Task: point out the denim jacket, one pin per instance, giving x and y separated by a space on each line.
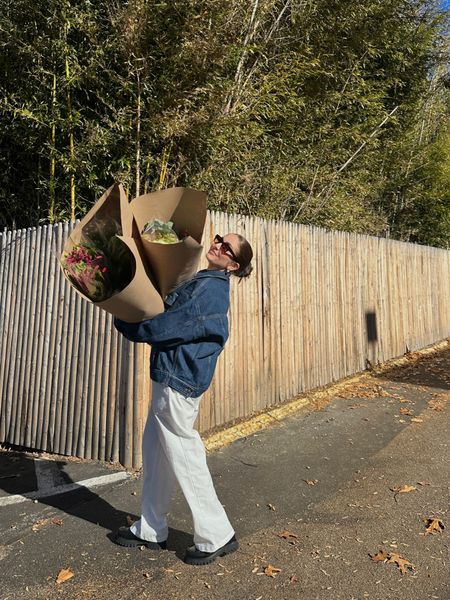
188 337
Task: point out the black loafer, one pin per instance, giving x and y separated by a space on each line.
125 537
194 556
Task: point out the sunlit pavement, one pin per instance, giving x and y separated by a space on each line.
311 498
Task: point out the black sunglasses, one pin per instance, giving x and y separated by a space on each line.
218 239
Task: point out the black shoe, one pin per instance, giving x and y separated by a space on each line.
197 557
125 537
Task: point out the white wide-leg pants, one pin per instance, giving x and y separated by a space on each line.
172 451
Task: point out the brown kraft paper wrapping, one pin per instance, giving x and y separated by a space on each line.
186 208
139 300
158 267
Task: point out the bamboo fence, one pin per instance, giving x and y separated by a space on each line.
317 307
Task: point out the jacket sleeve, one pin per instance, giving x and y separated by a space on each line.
198 319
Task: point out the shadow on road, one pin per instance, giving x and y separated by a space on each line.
431 370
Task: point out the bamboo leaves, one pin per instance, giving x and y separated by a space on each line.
323 113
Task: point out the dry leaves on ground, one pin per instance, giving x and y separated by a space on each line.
270 571
42 522
64 575
435 405
362 390
434 526
311 481
404 489
403 565
287 535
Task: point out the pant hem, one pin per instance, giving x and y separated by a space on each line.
212 547
158 539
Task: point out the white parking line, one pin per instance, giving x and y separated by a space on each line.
62 489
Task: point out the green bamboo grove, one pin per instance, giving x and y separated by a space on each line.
320 112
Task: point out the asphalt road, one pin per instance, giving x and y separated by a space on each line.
311 498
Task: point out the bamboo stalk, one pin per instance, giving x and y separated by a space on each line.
9 389
127 456
7 284
27 390
138 133
104 389
136 405
56 354
67 331
74 372
51 216
97 377
40 373
265 312
79 419
37 316
70 118
112 398
251 29
20 393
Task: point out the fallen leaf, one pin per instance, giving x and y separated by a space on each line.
364 390
435 405
406 411
271 506
311 481
434 526
404 565
392 557
38 524
287 535
416 420
271 571
64 575
380 555
293 579
56 521
404 489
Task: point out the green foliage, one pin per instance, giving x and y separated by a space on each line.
326 113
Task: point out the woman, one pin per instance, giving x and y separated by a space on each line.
186 341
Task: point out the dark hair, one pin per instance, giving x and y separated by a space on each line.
245 256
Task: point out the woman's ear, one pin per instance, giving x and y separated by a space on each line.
232 266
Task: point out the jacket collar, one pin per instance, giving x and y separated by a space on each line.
212 273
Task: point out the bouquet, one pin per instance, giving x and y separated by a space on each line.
127 256
160 232
100 265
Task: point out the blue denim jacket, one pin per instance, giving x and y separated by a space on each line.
188 337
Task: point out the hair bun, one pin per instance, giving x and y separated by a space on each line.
244 272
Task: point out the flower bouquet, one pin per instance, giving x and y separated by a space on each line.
126 257
107 238
171 224
100 265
